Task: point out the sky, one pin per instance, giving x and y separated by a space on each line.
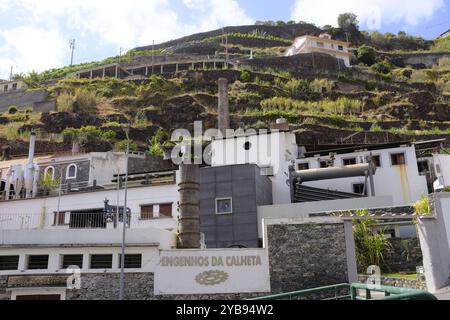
35 34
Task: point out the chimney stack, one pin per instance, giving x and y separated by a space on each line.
224 107
32 147
189 207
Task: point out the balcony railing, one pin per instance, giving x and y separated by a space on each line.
71 220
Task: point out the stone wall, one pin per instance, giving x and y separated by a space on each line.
399 282
306 256
306 63
404 256
24 99
4 295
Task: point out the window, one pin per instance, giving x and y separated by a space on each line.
423 167
303 166
376 161
5 88
50 171
320 44
59 219
132 261
9 263
247 145
340 48
165 210
37 262
71 172
224 206
147 212
398 159
349 161
323 164
358 188
14 86
69 260
101 261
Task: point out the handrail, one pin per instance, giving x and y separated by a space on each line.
390 293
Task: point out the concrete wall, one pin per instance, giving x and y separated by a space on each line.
402 182
434 235
303 210
248 189
23 99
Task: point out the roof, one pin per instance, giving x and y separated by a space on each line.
445 34
358 148
249 134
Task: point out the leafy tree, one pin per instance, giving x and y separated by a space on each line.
348 21
157 143
366 55
281 23
383 67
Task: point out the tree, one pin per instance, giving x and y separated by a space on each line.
366 55
348 21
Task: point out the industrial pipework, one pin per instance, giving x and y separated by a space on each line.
366 170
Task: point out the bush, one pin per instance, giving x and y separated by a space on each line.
366 55
64 102
245 75
121 146
13 110
383 67
422 207
109 135
82 101
19 117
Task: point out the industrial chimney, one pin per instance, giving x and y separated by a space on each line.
29 172
189 207
224 107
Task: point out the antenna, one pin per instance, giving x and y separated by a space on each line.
72 49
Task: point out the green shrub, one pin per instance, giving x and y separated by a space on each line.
245 75
13 110
28 110
121 146
109 135
366 55
19 117
157 143
383 67
422 207
64 102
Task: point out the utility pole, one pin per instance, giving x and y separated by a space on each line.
11 73
124 217
153 57
72 49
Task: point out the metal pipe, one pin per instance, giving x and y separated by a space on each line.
358 170
124 219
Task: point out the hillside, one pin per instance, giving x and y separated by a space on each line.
398 91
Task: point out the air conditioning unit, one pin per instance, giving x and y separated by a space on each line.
267 171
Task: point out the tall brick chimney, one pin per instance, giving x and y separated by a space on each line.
224 107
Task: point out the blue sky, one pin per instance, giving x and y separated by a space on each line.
35 34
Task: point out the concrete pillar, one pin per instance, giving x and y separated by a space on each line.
224 108
90 75
146 71
117 71
162 69
176 67
350 252
104 72
214 65
204 65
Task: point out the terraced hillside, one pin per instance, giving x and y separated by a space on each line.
387 95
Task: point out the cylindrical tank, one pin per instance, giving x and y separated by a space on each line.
356 170
189 207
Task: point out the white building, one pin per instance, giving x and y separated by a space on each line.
323 44
12 86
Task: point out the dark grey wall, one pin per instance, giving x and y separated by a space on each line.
83 168
248 189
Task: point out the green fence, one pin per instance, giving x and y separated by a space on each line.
355 291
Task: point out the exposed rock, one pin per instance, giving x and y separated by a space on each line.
419 98
58 121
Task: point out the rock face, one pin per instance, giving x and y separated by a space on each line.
180 111
57 122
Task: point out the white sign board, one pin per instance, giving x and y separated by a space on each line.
212 271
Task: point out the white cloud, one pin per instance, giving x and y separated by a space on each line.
27 48
100 23
372 15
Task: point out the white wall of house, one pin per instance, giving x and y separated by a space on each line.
274 150
402 182
39 212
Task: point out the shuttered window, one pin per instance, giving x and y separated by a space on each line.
37 262
147 212
9 263
132 261
165 210
101 261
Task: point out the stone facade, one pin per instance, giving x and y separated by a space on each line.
404 256
306 256
399 282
